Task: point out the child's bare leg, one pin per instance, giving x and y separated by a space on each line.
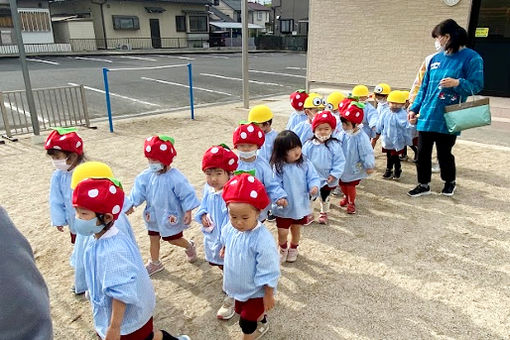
154 247
295 231
180 242
283 234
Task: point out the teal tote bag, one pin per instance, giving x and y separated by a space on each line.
468 115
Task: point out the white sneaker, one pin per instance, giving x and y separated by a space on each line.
226 310
153 268
292 255
337 191
183 337
435 168
262 329
283 254
191 252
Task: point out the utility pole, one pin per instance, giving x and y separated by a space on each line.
245 33
24 67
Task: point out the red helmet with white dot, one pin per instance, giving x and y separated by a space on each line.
248 134
160 148
64 139
324 117
353 113
297 99
219 156
101 195
246 188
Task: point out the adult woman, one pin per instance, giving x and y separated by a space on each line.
452 76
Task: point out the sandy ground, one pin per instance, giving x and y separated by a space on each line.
402 268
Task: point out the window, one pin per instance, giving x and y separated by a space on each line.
259 15
34 21
494 16
198 24
121 22
180 23
286 25
5 21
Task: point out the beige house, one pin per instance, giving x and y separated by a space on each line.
367 42
141 24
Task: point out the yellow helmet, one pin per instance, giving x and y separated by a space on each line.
397 97
382 88
89 170
314 101
359 91
333 100
260 114
407 94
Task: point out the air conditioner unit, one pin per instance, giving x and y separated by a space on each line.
124 47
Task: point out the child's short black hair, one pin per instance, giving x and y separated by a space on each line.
269 122
344 120
52 152
284 141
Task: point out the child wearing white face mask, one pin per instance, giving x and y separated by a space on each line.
247 140
358 152
169 197
65 148
326 154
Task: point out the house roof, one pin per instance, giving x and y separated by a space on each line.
257 7
234 4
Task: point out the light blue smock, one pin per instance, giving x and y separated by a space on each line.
394 129
328 159
359 156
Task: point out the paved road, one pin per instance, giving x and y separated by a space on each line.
216 78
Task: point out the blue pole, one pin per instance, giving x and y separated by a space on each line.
107 94
191 101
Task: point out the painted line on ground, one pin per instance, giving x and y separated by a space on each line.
24 112
93 59
43 61
146 68
116 95
137 58
183 85
175 57
502 120
279 74
295 68
488 146
239 79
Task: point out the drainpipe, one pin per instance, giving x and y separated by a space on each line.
101 3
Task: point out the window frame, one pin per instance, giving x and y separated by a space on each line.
117 23
192 30
290 23
177 18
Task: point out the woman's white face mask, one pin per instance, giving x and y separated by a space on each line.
438 45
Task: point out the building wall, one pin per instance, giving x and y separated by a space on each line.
369 42
227 10
297 10
254 18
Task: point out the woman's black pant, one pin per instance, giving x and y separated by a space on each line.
444 144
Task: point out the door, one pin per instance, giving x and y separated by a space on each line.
155 33
489 32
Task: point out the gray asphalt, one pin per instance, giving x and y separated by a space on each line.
161 89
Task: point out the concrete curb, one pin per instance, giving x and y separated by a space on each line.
145 52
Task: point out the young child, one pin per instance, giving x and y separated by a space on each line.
262 116
359 155
412 134
170 199
393 126
381 92
313 104
370 115
297 100
251 269
65 148
298 177
332 102
218 165
326 154
248 138
120 291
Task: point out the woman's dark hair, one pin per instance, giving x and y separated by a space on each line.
284 141
80 158
458 35
344 120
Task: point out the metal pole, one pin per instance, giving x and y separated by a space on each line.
107 95
191 100
24 67
245 34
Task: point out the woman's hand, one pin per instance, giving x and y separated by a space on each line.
449 82
411 117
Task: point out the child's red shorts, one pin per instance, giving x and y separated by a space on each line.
251 309
166 238
285 223
144 333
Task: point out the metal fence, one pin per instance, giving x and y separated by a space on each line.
56 106
35 48
136 43
273 42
